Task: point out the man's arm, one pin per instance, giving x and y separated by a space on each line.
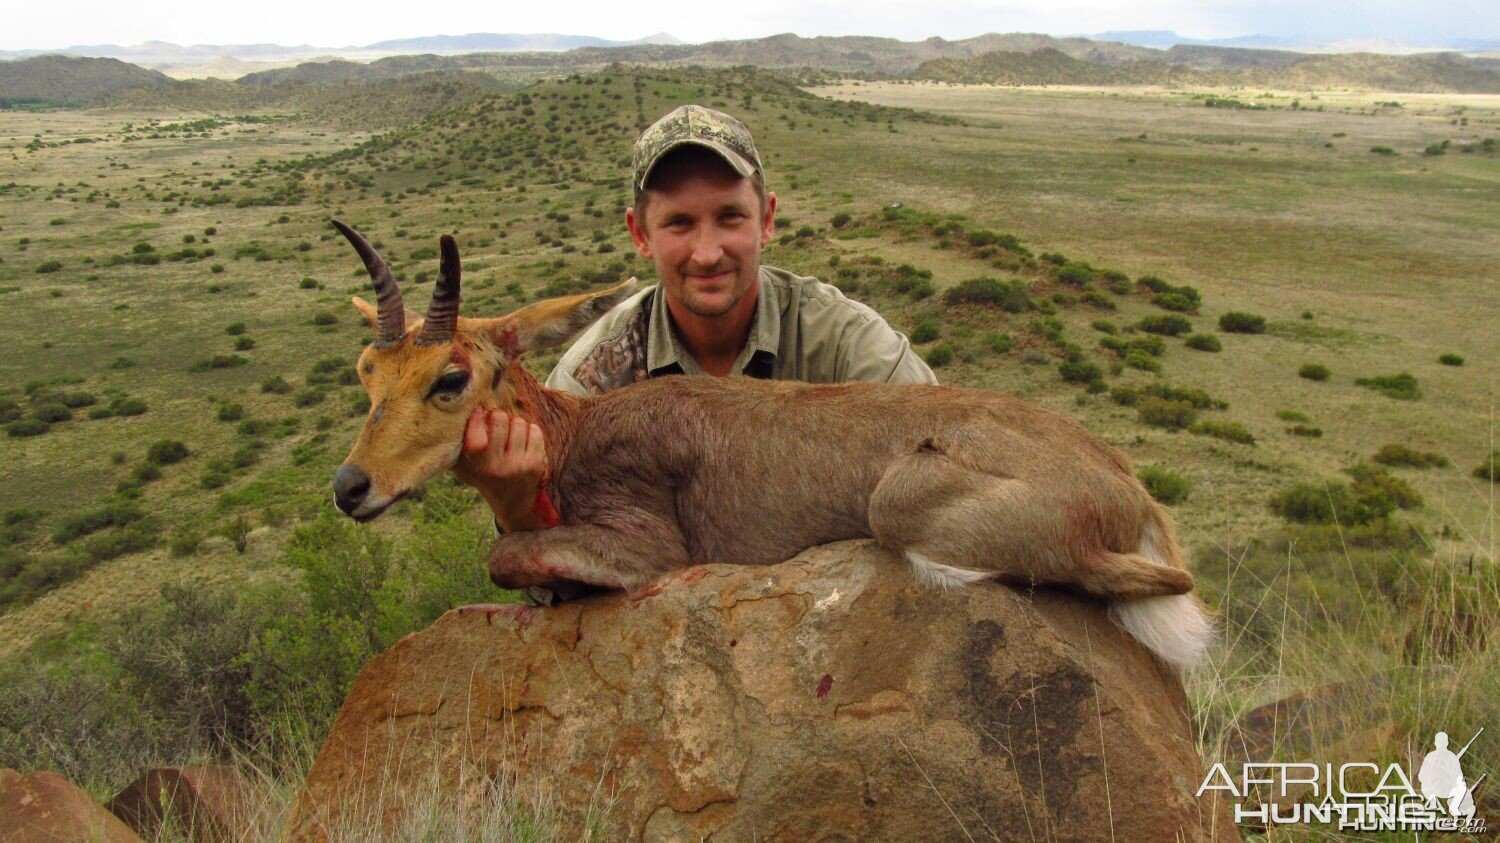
874 351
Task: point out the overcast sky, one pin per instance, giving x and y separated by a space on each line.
62 23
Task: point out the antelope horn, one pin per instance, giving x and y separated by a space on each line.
442 313
392 326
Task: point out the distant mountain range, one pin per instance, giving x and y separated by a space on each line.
163 55
1017 58
1165 38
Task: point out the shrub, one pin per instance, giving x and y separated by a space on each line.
1378 485
1010 296
926 331
1199 399
308 398
1169 325
324 318
1075 273
127 406
244 344
940 355
91 521
27 427
1235 322
1451 360
1203 342
1078 369
275 384
9 410
48 266
307 283
998 342
1125 396
1165 485
1161 412
1305 430
1314 372
166 452
1400 455
235 329
1489 469
230 411
1227 430
1382 150
1138 358
1402 387
219 361
1291 415
52 411
1104 326
840 220
1319 503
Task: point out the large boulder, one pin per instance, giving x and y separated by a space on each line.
44 807
826 698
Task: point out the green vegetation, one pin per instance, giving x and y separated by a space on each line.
1399 455
1402 387
1164 484
1314 372
1235 322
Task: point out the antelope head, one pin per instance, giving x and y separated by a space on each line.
425 375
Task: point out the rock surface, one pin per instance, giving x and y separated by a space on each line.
210 803
826 698
44 808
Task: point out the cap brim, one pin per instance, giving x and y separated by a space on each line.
736 161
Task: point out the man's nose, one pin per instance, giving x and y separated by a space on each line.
708 246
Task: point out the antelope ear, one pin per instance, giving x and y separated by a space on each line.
553 321
368 311
372 314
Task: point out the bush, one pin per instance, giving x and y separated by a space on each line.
10 410
1379 485
1169 325
275 384
1165 485
1235 322
27 427
1314 372
127 406
1226 430
1487 470
1402 387
1451 360
926 331
308 398
324 318
1305 430
840 220
219 361
1400 455
166 452
1199 399
235 329
52 411
998 342
940 355
1323 503
1075 273
1203 342
48 266
1078 369
1137 358
91 521
1161 412
1010 296
230 411
244 344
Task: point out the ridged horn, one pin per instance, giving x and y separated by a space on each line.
392 323
442 313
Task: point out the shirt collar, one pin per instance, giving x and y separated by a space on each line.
665 354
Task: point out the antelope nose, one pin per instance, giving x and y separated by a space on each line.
350 485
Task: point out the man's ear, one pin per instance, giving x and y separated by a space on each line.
768 225
551 322
637 228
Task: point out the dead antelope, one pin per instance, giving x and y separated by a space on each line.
967 485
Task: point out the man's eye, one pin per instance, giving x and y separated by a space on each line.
450 384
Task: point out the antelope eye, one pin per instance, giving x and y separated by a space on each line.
450 384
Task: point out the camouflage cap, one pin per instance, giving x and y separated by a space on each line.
695 124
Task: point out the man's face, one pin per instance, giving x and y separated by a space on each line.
704 230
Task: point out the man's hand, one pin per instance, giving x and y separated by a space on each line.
500 446
506 459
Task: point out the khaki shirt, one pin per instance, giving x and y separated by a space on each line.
803 330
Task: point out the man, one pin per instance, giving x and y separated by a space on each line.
701 214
